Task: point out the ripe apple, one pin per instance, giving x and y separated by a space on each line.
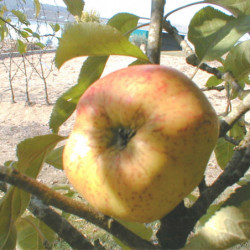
141 141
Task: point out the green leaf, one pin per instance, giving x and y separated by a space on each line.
91 71
21 47
31 154
190 199
75 7
32 233
240 195
93 39
54 158
228 227
138 62
12 206
28 30
214 33
139 229
3 32
56 27
66 190
24 34
244 180
41 45
124 22
213 81
21 17
37 6
3 9
66 104
223 152
10 243
238 131
36 35
210 212
238 60
237 7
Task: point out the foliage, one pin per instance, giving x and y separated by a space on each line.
23 29
91 16
215 37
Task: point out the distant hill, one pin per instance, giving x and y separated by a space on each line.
48 12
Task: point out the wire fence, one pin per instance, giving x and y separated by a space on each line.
32 64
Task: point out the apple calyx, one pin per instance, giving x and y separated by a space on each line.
122 136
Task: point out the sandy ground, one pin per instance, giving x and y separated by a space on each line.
19 121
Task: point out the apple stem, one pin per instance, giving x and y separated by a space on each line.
155 31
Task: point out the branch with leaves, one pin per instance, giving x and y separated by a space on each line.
177 225
58 224
192 59
50 197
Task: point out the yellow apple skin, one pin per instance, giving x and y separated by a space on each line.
142 138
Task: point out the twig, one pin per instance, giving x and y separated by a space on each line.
26 82
218 88
155 31
59 224
11 25
45 82
234 115
234 170
231 140
50 197
10 81
180 8
56 222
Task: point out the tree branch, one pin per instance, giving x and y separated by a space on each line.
192 59
155 31
182 7
229 120
50 197
218 88
59 224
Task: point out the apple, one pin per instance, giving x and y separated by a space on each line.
141 141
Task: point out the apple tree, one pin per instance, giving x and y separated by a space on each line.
205 219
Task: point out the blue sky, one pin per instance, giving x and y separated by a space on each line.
142 8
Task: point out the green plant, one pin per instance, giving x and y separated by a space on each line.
215 36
